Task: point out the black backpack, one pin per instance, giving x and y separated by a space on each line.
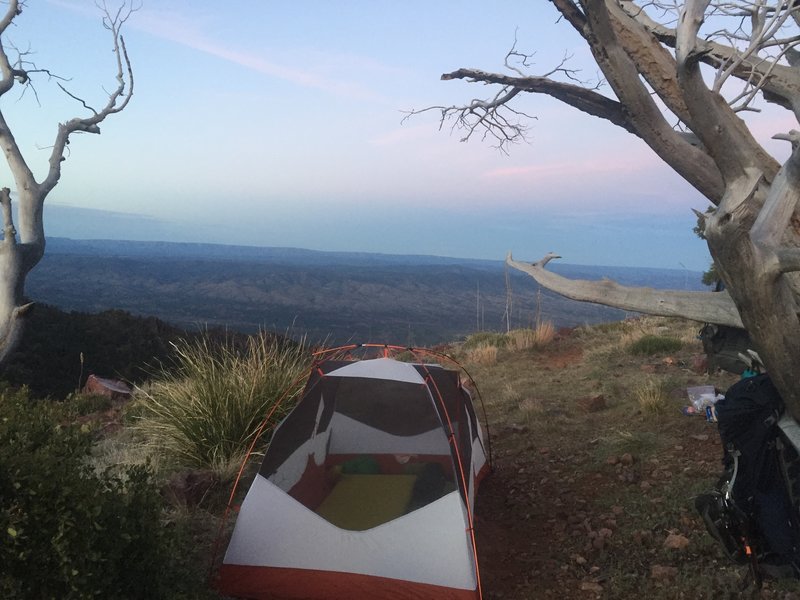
749 512
748 425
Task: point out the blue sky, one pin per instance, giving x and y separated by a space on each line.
279 124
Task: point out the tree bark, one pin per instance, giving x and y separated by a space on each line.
754 232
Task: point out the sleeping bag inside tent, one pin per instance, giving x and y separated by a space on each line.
367 490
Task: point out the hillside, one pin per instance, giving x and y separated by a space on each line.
595 471
59 350
336 296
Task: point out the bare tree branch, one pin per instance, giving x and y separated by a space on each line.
780 84
704 307
117 100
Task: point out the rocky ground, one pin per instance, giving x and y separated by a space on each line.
592 491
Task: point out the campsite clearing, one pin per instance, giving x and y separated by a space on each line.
595 472
592 494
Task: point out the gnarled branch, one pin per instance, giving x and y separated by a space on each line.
704 307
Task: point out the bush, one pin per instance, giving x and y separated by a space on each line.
206 411
655 344
68 531
485 338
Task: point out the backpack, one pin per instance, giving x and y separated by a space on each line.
750 512
748 424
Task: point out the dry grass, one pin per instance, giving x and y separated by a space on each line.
652 396
536 339
482 354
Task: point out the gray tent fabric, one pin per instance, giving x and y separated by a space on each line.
368 487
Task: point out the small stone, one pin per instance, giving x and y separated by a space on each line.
579 560
612 460
645 485
592 586
617 510
662 572
700 437
599 543
626 459
676 541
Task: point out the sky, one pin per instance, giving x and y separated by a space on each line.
270 123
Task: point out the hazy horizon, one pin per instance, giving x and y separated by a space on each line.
281 124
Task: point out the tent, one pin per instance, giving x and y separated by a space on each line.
367 490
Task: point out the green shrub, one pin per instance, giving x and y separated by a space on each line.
655 344
68 531
206 411
485 338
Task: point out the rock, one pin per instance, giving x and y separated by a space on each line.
626 459
645 486
605 532
648 368
662 572
700 437
111 388
579 560
676 541
591 404
592 586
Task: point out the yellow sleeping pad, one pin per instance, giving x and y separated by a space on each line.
360 502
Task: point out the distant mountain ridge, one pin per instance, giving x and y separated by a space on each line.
339 296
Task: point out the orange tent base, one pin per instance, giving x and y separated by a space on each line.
270 583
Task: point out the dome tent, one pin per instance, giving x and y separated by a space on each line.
366 490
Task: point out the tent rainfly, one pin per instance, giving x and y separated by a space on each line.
367 490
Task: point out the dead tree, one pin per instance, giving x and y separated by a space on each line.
680 76
23 246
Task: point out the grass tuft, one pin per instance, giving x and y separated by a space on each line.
652 397
485 338
526 339
654 344
482 354
206 411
